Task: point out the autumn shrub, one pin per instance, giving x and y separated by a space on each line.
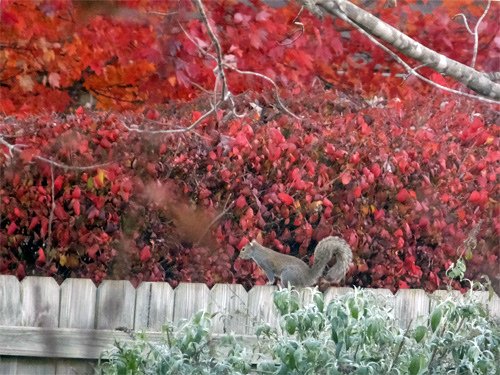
403 183
353 334
130 54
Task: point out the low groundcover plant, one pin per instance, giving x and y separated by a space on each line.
353 334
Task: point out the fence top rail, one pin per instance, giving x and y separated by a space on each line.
75 343
47 280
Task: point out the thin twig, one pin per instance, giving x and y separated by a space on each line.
465 22
400 346
218 48
276 90
17 149
216 219
476 34
48 245
135 128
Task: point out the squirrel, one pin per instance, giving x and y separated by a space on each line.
293 271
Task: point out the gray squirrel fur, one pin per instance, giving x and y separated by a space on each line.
294 271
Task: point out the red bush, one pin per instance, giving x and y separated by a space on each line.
403 184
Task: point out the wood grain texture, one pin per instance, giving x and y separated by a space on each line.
411 307
40 302
154 306
115 305
189 299
229 302
70 342
8 365
75 367
10 301
78 304
36 366
261 308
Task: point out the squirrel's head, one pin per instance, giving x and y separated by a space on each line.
247 251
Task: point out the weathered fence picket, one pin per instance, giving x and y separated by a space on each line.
46 328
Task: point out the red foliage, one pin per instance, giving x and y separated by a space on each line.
126 55
401 171
415 190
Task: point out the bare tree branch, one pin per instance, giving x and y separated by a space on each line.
413 71
13 149
218 48
474 80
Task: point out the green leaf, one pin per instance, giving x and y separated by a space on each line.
362 371
290 326
436 319
420 332
416 365
335 337
90 183
319 301
353 308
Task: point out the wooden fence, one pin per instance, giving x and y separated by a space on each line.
46 328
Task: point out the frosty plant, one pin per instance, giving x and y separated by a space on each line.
354 334
357 334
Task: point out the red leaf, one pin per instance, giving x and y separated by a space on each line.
60 212
92 251
28 154
242 243
58 183
76 207
403 196
439 79
153 114
327 202
379 214
479 197
375 169
93 212
355 158
163 148
41 257
19 213
76 193
34 222
241 202
105 143
12 228
145 254
403 285
285 198
195 115
346 178
21 271
357 192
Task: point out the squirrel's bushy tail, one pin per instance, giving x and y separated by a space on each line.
326 249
